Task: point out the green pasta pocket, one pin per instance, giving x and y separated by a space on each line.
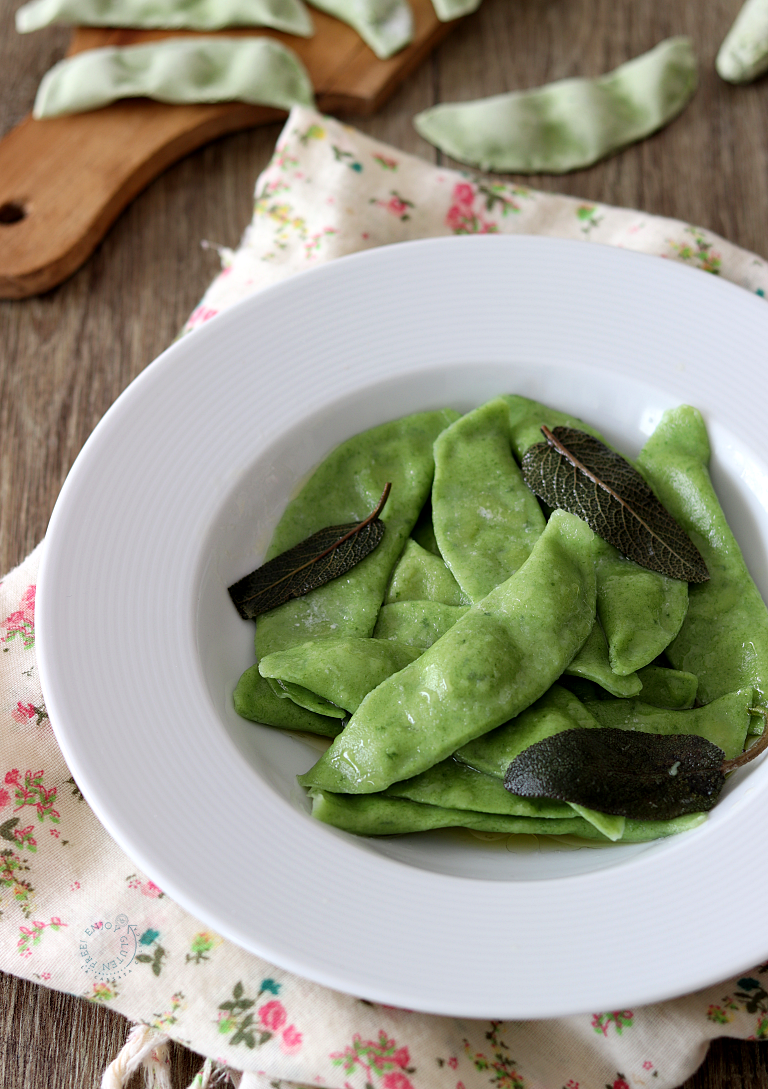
462 604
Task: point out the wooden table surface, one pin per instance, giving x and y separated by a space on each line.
66 356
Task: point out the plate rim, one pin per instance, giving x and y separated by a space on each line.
177 351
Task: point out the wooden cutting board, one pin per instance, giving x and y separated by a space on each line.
64 180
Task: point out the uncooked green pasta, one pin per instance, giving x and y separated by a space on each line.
177 70
569 124
385 25
288 15
743 56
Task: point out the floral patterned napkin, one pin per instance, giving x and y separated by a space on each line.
77 915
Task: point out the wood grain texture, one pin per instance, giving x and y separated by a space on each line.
64 180
65 356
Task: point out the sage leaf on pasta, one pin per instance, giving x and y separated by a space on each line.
569 124
311 563
258 70
288 15
576 472
743 56
626 773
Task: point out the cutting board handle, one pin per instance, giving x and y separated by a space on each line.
64 180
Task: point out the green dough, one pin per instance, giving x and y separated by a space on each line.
255 700
423 532
557 710
593 664
452 785
385 25
486 518
422 576
526 418
178 70
611 826
417 623
453 9
492 664
668 687
641 611
569 124
288 15
375 815
724 722
305 697
743 56
724 637
342 671
345 488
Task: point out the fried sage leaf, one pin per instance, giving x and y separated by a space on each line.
576 472
630 774
311 563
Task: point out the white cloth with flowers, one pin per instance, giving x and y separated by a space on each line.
77 915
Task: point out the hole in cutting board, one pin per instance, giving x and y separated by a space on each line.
12 212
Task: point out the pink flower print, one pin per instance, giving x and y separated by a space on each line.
397 206
23 712
647 1065
453 1062
291 1040
396 1080
150 889
401 1057
12 777
200 315
273 1015
620 1084
464 194
22 622
5 798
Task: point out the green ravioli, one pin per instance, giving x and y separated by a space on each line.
342 671
557 710
420 575
592 663
259 70
288 15
725 722
569 124
345 488
453 785
724 637
485 517
492 664
255 700
384 25
640 611
417 623
668 687
376 815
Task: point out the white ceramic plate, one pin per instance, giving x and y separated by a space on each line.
175 496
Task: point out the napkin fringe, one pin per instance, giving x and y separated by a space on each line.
146 1048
